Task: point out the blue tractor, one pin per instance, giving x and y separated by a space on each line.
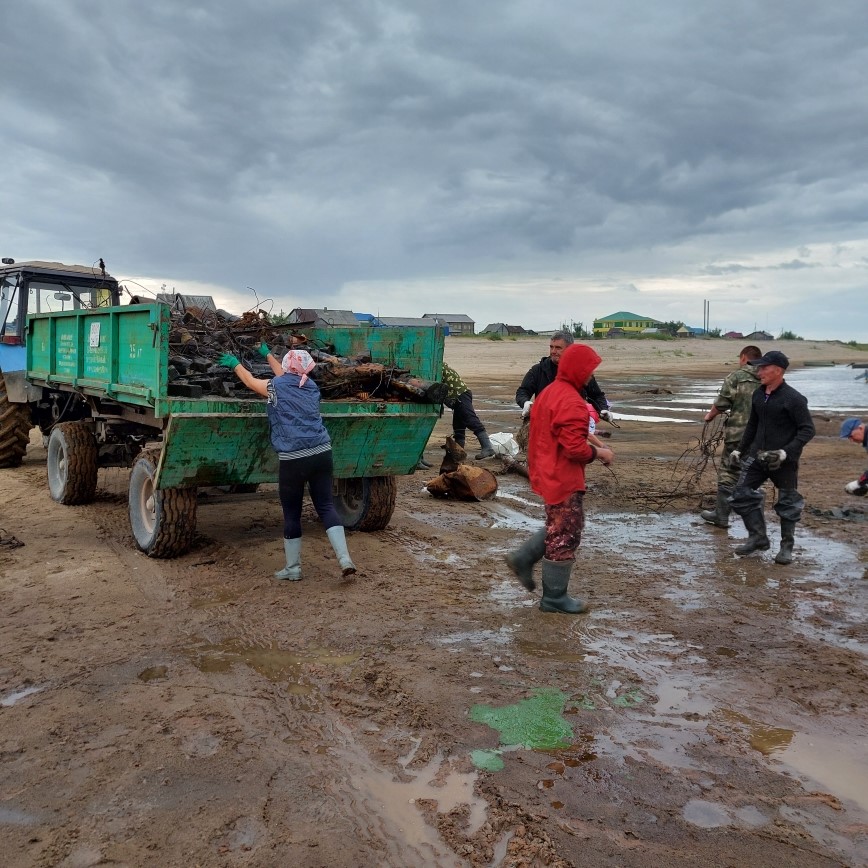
29 288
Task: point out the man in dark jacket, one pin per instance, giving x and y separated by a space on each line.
779 427
857 431
543 374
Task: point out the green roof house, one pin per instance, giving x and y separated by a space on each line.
623 322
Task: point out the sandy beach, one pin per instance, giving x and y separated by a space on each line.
708 709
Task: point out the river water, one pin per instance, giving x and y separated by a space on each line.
835 390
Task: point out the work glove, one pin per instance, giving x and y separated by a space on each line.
606 414
227 360
525 410
856 487
262 349
773 459
734 459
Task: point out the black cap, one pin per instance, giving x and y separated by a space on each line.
772 357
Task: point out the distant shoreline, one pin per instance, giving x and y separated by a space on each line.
482 359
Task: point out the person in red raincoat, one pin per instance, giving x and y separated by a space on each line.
558 452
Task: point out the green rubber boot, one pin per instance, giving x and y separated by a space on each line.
485 443
757 540
555 580
523 559
788 533
719 516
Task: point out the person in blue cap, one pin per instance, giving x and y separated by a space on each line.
777 431
857 431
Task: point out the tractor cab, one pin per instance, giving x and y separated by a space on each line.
38 287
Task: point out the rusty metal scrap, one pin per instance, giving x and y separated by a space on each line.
198 337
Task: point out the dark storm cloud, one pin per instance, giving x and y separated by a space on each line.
301 146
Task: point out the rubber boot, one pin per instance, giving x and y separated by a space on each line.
788 532
523 559
555 580
757 540
338 539
485 443
719 516
292 571
459 437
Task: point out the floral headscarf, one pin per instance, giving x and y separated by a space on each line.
298 362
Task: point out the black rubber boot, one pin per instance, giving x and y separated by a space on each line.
485 443
788 532
719 516
757 540
555 580
523 559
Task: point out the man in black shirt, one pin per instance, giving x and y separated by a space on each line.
778 428
543 374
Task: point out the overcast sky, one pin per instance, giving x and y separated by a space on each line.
530 162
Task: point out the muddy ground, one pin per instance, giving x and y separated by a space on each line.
708 710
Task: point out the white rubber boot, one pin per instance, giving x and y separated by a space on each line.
338 539
292 571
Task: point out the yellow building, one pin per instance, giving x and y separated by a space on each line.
623 322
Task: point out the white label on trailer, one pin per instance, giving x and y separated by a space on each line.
94 334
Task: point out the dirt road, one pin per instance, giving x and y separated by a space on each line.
709 710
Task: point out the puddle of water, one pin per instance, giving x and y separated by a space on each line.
676 697
218 598
552 649
14 817
16 696
635 418
270 661
390 805
505 517
752 816
837 766
831 607
153 673
762 737
706 815
535 723
525 502
510 593
500 637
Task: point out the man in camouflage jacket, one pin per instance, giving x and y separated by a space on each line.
733 399
459 399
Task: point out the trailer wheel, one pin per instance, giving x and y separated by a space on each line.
365 503
163 521
72 463
15 428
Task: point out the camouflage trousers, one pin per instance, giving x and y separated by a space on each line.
564 525
727 477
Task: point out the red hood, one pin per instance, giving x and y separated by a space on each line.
577 363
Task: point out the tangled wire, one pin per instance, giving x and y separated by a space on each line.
689 470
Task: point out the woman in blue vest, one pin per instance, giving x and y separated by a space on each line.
304 448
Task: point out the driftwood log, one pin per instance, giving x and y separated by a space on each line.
198 337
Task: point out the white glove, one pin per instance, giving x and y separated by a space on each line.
606 414
856 487
525 410
735 459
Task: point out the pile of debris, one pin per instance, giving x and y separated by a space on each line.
199 336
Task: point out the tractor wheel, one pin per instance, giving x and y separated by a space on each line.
72 463
365 503
163 521
15 428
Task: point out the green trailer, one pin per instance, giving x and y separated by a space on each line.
113 363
